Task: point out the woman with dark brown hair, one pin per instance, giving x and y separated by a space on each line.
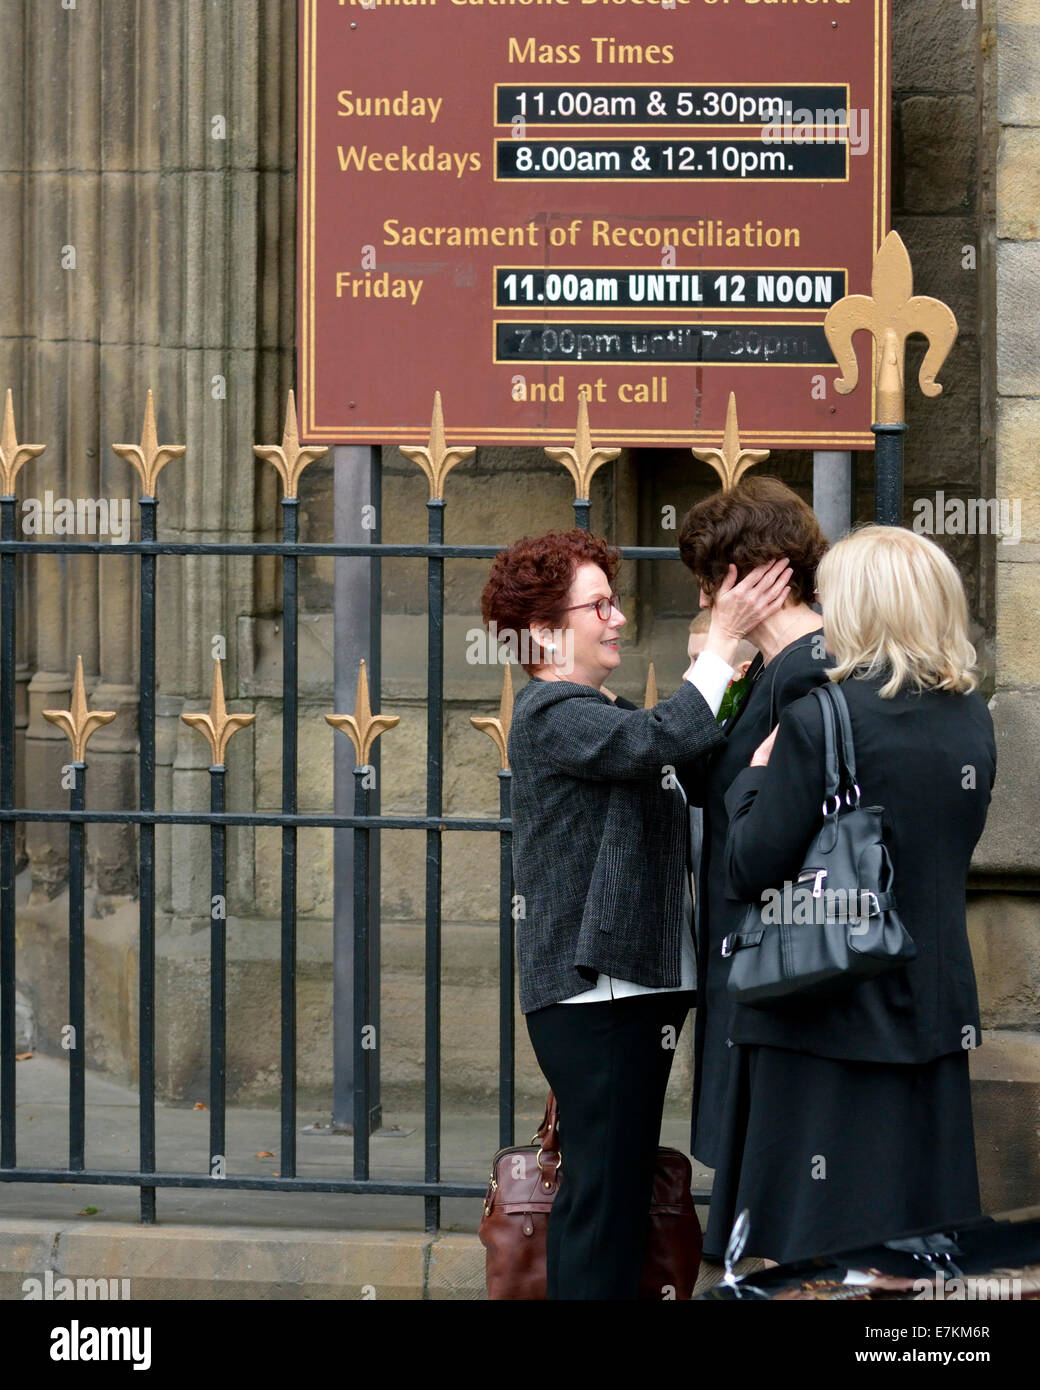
604 943
758 520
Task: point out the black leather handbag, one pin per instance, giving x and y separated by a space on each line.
838 922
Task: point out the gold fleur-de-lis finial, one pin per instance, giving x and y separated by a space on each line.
498 729
13 454
731 462
650 698
217 726
149 457
289 457
363 726
581 460
435 458
78 723
891 312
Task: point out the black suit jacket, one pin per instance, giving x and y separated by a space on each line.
787 678
930 760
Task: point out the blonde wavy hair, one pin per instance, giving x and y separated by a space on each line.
893 603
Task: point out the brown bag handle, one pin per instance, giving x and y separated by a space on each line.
548 1131
548 1158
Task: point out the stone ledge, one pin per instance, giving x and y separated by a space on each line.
199 1262
245 1263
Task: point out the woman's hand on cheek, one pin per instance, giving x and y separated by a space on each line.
740 607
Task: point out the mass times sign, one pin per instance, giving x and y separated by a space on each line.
645 203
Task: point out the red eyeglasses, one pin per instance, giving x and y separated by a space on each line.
603 606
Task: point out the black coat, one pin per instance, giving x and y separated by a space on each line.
930 760
790 675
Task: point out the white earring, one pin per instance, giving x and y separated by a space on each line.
548 647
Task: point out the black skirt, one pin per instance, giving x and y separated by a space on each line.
829 1155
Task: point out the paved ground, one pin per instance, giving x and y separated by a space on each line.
373 1241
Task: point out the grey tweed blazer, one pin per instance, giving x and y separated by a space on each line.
600 835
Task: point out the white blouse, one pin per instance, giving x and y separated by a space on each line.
711 675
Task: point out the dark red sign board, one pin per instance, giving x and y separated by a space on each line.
648 204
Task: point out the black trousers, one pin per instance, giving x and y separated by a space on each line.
608 1065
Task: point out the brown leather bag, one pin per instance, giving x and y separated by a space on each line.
519 1198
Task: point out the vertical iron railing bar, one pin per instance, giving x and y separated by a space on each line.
888 474
375 798
582 513
77 968
146 862
290 524
362 990
507 1017
8 1033
434 791
217 974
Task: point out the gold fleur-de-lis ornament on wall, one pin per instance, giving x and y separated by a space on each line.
363 727
435 458
13 454
580 459
650 694
79 723
731 462
498 729
217 726
149 457
890 313
290 458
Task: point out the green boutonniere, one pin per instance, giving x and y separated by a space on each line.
733 698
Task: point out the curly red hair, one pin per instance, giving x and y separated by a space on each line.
531 579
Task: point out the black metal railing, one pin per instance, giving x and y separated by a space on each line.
432 1188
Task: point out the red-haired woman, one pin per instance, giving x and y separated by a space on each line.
604 945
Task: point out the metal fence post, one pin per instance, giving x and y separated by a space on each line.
357 611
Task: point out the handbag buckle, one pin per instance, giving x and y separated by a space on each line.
817 876
727 945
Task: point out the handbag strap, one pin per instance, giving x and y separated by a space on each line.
772 683
848 749
548 1132
831 771
548 1157
839 748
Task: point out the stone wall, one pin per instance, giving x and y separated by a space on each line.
1005 918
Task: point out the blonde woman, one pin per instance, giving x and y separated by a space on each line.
848 1121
